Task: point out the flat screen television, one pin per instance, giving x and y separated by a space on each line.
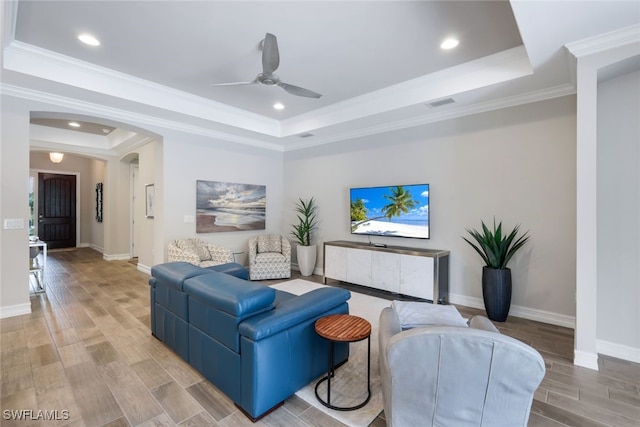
397 211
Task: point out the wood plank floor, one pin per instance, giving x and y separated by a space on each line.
85 356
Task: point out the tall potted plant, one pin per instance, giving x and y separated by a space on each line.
496 249
307 224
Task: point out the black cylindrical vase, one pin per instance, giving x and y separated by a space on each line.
496 292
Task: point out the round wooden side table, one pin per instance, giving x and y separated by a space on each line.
343 328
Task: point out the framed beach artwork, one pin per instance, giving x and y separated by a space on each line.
226 206
150 200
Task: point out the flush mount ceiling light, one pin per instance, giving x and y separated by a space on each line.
56 157
278 106
449 43
87 38
74 124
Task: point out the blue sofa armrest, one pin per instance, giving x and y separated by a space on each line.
292 312
281 352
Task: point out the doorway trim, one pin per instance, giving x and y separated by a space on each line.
134 170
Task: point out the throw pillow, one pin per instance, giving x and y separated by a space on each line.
414 314
202 250
269 243
186 245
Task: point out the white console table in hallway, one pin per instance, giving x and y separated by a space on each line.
37 268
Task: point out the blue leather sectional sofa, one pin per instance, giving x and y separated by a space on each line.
256 344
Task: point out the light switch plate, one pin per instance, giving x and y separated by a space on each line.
13 224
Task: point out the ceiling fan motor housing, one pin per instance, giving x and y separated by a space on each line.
269 80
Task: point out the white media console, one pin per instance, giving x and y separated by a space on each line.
422 273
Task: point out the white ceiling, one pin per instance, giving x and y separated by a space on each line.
377 64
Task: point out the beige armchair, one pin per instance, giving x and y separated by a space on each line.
269 257
198 252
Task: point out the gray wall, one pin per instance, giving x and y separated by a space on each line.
14 204
618 315
188 158
517 164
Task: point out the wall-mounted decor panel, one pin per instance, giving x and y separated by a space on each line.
99 194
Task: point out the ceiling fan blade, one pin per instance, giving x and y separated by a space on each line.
299 91
234 83
270 54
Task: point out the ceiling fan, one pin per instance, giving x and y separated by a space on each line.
270 63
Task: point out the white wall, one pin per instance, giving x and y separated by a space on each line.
188 159
145 236
618 171
14 199
517 164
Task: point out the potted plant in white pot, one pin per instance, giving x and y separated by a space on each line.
307 224
496 249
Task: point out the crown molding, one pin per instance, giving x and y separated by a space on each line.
98 153
481 107
128 117
493 69
605 42
32 60
9 13
125 117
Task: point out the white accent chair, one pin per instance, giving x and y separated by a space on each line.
269 257
198 252
455 376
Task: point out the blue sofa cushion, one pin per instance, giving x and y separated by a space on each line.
231 268
173 274
167 286
230 294
219 302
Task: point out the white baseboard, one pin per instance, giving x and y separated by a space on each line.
144 269
619 351
97 248
116 257
519 311
515 310
15 310
586 360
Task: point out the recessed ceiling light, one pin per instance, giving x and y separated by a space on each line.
449 43
88 39
74 124
278 106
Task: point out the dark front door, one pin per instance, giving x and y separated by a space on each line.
57 210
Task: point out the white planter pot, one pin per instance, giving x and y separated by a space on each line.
306 259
